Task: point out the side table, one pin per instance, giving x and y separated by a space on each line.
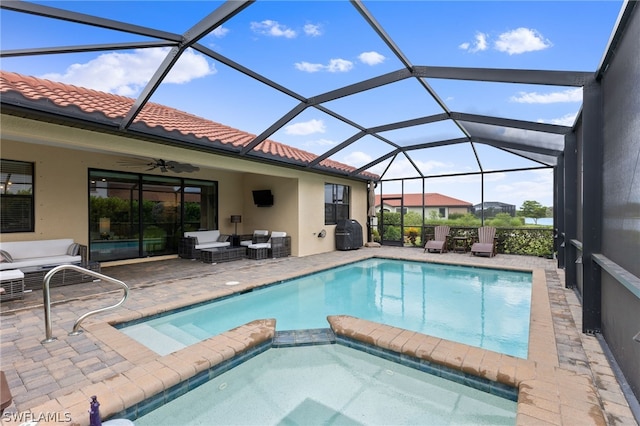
235 240
460 244
12 281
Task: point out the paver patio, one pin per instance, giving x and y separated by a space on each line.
57 376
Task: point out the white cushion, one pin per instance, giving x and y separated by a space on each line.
204 236
41 261
11 274
33 249
278 234
260 245
261 232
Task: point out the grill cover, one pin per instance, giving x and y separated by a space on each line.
348 235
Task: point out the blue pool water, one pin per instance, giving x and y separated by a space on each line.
328 385
480 307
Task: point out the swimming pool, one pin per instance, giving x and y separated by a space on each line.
480 307
329 384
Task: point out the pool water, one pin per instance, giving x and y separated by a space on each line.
480 307
330 384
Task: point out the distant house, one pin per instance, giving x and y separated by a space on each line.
442 205
491 208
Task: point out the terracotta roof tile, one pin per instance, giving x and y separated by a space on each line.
152 115
432 199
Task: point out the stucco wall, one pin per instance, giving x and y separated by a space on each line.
63 156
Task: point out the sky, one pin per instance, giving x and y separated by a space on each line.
313 47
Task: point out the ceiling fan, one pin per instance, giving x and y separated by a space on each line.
163 165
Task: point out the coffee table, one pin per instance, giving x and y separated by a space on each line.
223 254
34 275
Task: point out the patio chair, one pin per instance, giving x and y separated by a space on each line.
278 245
439 242
486 242
259 236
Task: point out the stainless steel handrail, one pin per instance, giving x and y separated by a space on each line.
47 298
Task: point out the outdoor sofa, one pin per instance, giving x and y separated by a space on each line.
23 254
192 242
24 264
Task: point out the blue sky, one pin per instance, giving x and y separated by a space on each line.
315 47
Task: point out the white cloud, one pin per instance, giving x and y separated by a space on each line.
566 120
320 142
371 58
339 65
309 67
521 40
569 95
334 65
357 159
539 188
478 45
127 73
272 28
313 30
305 127
220 31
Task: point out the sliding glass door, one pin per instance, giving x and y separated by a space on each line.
133 215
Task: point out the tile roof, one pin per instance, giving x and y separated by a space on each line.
432 199
114 108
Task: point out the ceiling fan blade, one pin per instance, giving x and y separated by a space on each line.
182 167
164 165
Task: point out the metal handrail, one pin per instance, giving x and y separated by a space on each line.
47 298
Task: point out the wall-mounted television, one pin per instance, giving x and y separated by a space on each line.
263 198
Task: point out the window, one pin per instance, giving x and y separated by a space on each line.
16 196
442 212
336 203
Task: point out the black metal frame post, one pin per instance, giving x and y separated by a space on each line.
570 208
593 124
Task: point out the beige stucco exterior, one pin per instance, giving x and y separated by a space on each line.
63 156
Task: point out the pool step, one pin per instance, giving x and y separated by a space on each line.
154 339
309 337
182 333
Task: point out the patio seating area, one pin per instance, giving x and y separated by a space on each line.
48 376
213 247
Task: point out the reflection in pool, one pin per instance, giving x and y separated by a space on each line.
487 308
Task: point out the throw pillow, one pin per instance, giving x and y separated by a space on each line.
223 238
5 256
73 249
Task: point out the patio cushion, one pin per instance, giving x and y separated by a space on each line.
204 237
73 249
40 253
5 257
258 234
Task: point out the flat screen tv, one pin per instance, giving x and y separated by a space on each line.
263 198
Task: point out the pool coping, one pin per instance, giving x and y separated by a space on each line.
547 394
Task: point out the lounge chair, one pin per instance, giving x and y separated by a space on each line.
259 236
278 245
439 242
486 242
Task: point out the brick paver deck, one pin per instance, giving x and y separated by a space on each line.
573 383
